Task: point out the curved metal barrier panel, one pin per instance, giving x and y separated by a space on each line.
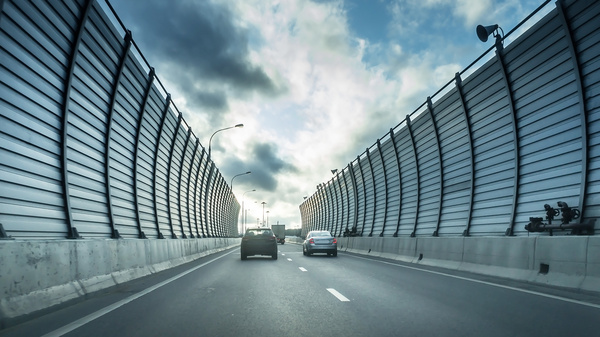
485 157
91 144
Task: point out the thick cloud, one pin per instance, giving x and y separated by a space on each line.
265 165
199 49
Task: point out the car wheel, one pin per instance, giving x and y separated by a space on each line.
274 256
303 252
244 257
334 254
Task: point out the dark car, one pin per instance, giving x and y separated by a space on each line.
259 241
319 242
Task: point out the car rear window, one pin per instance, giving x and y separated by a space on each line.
252 232
321 234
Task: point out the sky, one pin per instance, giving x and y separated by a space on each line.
315 82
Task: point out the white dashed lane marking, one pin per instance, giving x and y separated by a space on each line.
301 268
338 295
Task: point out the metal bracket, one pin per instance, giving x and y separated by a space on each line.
3 235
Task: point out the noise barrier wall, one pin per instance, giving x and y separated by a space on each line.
520 132
91 144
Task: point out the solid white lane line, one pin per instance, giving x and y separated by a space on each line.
84 320
560 298
338 295
302 268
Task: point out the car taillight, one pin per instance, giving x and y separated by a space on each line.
334 240
311 241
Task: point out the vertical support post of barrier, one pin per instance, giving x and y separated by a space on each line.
107 139
71 230
169 166
337 210
374 192
138 132
414 150
322 206
583 110
181 163
218 205
207 195
197 212
330 209
202 201
347 203
362 178
355 191
471 152
440 165
189 188
514 122
393 139
386 187
155 162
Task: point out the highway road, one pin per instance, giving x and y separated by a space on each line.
296 295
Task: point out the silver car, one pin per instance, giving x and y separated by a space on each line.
319 242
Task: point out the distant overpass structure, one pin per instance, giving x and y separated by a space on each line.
498 171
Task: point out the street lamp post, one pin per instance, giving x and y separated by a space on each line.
244 210
211 137
237 175
263 203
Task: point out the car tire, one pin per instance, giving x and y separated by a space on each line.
334 254
303 251
244 257
274 256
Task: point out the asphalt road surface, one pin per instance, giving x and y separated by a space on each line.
296 295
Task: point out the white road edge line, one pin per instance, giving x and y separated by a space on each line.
302 268
338 295
84 320
564 299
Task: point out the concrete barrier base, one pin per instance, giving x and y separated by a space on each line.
563 261
37 275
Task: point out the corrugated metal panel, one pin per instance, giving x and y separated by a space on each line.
175 155
380 190
204 167
544 92
31 80
429 175
493 147
350 200
86 133
149 129
192 192
369 205
360 196
409 179
393 186
456 162
586 36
